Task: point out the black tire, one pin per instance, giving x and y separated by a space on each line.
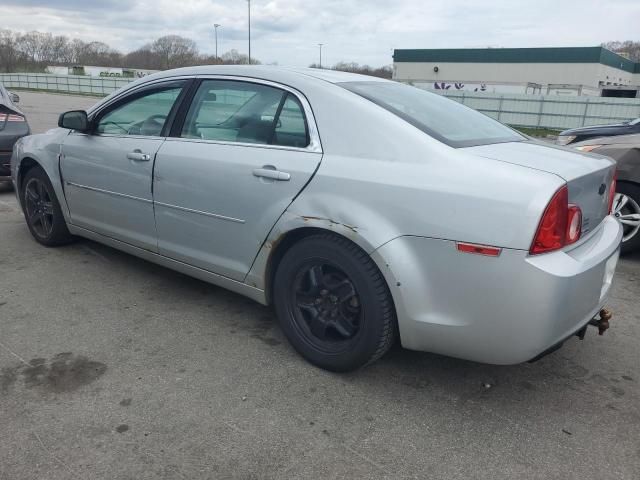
42 210
632 191
333 303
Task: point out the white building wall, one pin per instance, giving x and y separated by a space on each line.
614 76
518 73
102 71
530 78
57 70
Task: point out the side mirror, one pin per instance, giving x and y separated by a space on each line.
74 120
14 97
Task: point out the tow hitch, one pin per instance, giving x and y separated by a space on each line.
601 321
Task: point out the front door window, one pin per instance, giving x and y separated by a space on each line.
144 115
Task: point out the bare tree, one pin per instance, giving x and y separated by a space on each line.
353 67
10 55
174 51
28 44
61 50
629 47
97 53
34 51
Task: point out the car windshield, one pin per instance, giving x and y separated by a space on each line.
634 122
443 119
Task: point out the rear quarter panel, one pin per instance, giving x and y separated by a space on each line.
446 195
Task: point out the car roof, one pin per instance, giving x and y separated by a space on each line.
297 78
268 72
294 77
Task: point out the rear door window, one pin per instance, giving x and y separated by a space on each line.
245 112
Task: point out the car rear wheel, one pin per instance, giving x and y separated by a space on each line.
42 210
626 207
333 304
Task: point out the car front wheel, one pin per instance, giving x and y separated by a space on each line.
42 210
333 304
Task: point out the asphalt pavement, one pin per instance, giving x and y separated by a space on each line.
114 368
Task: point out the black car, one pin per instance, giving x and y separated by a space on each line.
575 135
13 125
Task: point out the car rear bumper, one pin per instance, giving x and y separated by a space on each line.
502 310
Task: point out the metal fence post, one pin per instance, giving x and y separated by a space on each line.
500 106
540 112
584 115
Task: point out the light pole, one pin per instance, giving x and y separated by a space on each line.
216 25
320 45
249 23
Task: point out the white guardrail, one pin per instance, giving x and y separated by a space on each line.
543 111
78 84
548 111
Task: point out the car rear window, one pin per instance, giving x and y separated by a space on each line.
443 119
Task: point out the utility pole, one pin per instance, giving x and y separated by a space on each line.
320 45
249 23
216 25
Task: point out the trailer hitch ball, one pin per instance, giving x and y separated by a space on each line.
603 322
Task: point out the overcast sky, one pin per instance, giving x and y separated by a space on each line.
288 31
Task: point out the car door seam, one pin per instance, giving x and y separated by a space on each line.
280 216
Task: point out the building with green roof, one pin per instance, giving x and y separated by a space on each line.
562 71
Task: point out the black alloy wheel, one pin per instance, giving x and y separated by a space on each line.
333 304
327 307
38 207
42 210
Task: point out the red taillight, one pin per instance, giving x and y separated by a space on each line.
11 118
574 224
561 224
612 191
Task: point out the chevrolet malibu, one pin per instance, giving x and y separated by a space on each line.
362 209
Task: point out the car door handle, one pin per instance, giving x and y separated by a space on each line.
138 156
272 174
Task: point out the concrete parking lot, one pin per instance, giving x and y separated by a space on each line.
114 368
42 109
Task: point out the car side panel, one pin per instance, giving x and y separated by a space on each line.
451 197
101 183
44 149
627 158
211 211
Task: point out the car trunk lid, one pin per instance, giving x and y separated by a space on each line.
588 176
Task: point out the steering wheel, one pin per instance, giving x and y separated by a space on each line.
116 124
154 122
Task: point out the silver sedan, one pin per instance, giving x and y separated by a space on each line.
362 209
